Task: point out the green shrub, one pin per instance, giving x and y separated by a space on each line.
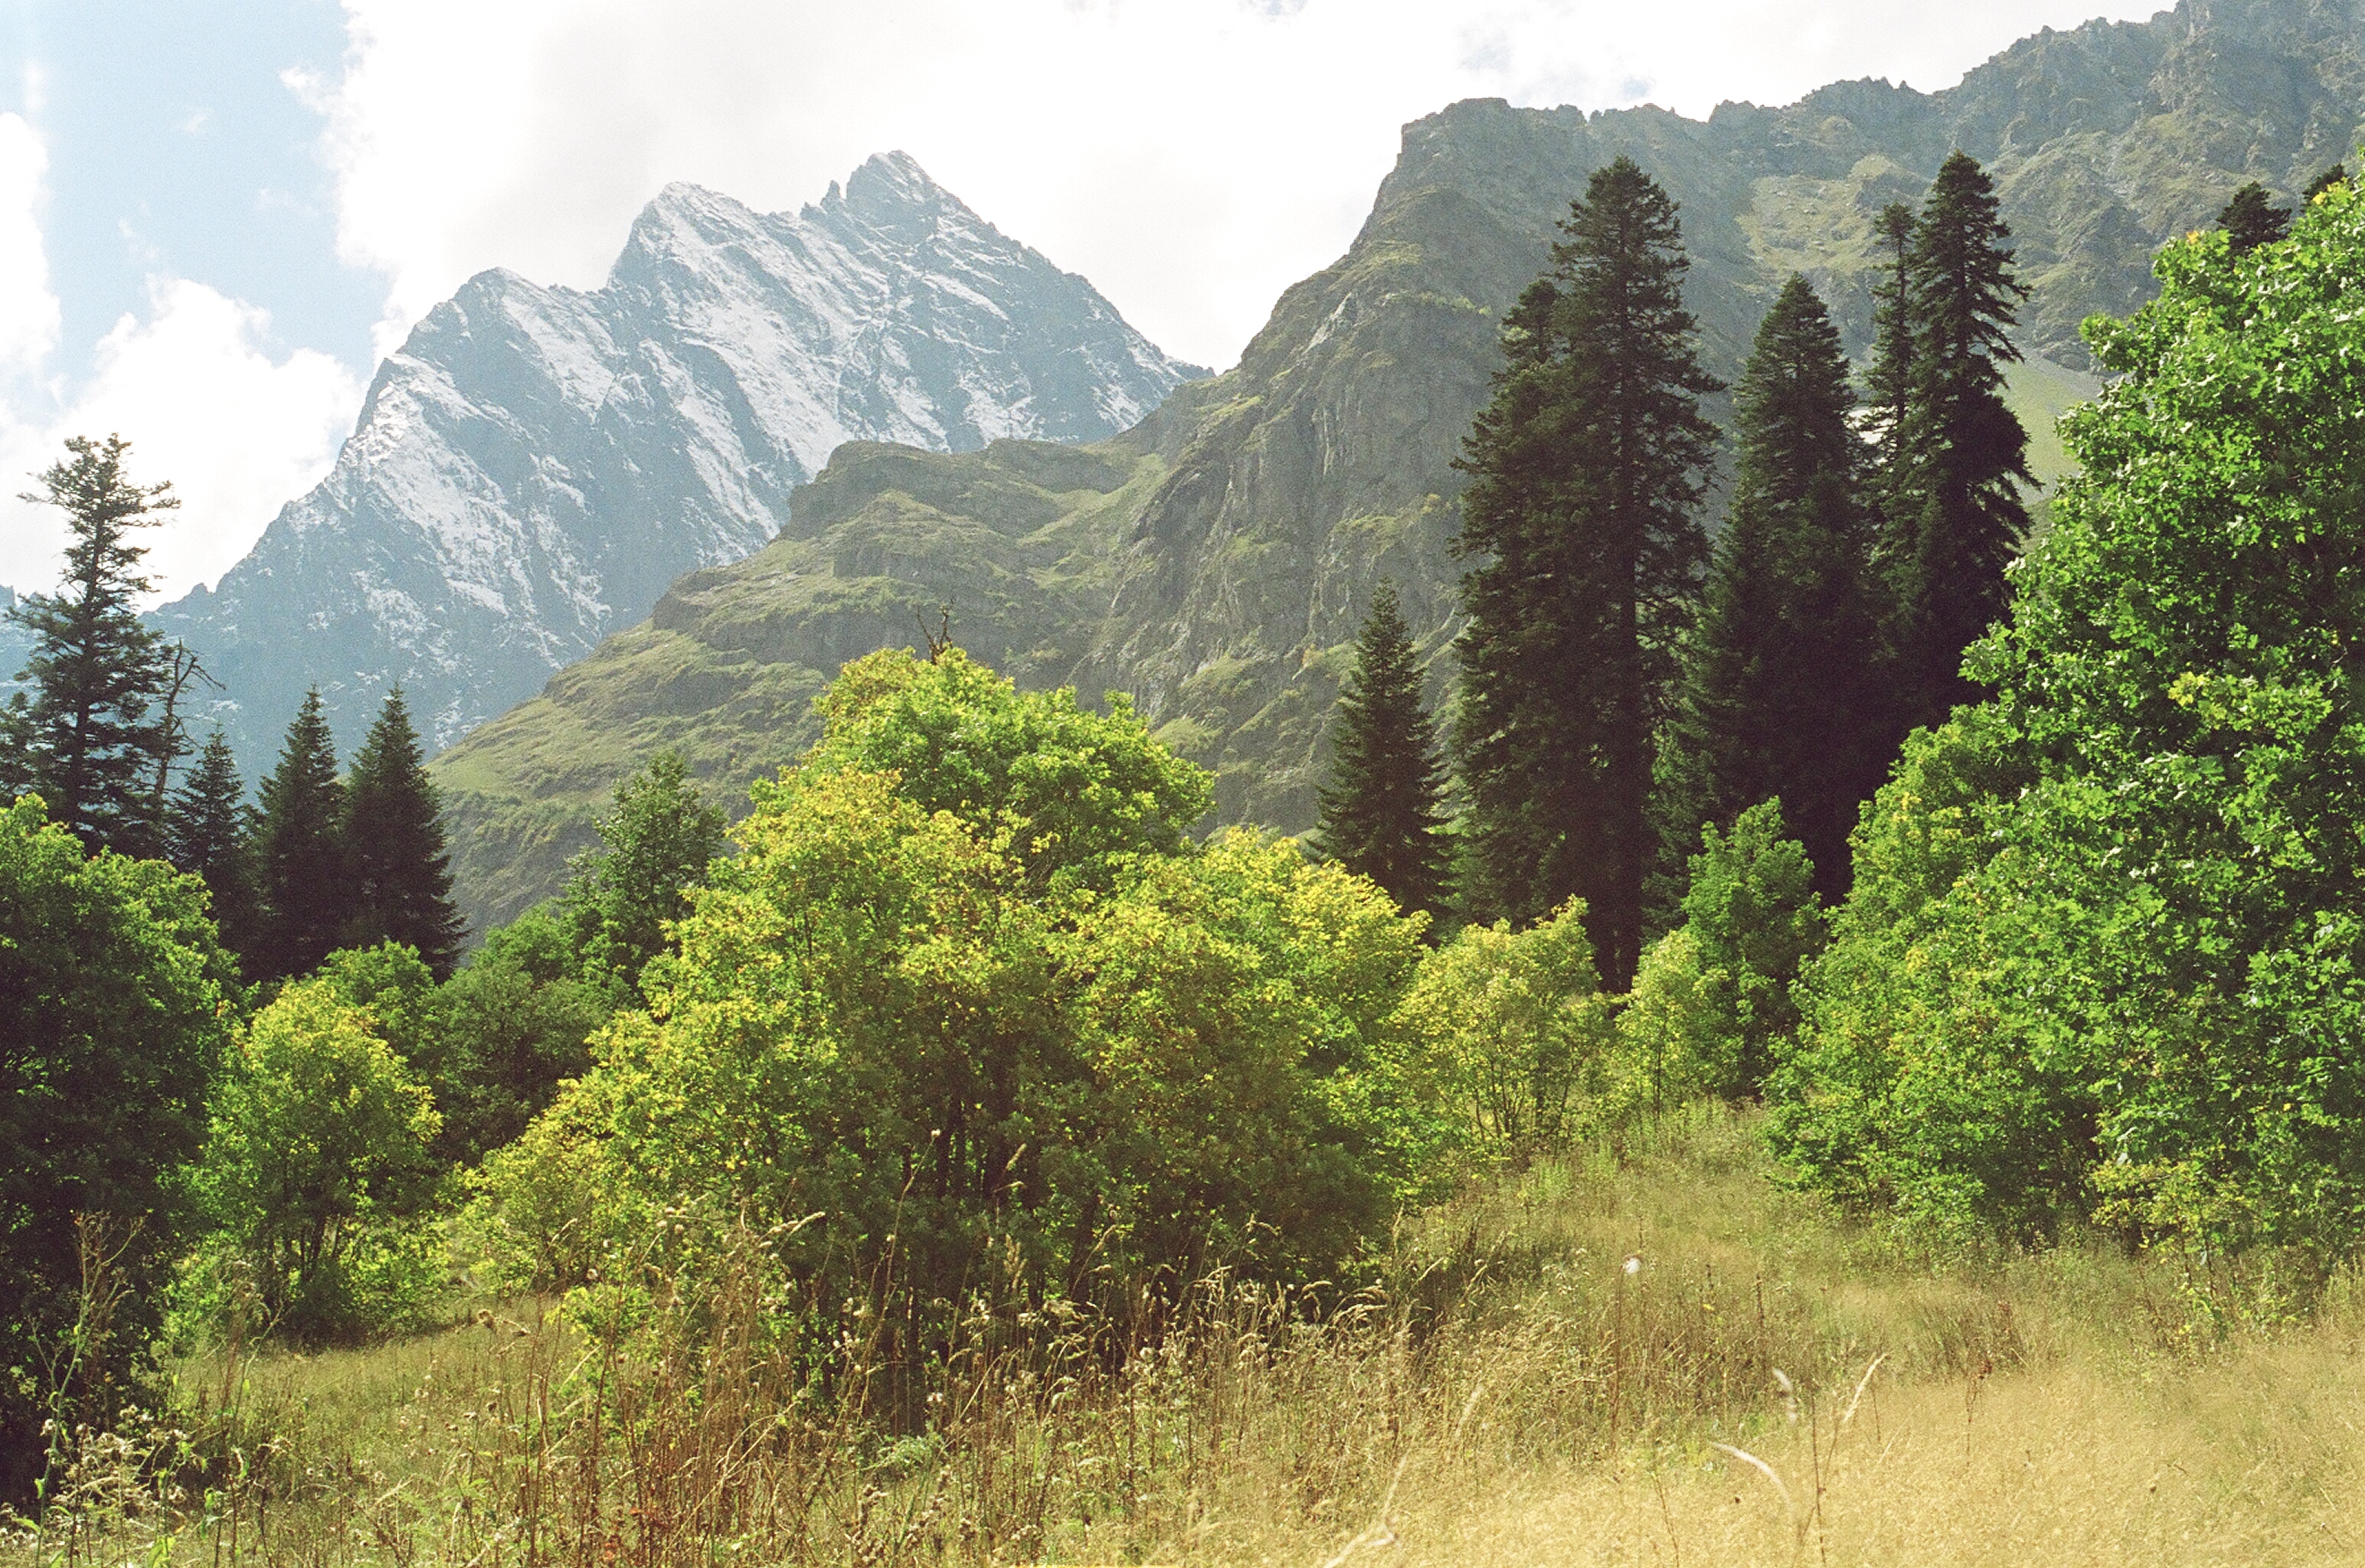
969 1005
1712 999
2103 956
1508 1031
317 1161
115 1005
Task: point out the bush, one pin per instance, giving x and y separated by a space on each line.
318 1158
1712 999
115 1009
515 1022
988 1014
1508 1031
2106 954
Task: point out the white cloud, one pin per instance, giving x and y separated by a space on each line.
28 309
1191 157
204 406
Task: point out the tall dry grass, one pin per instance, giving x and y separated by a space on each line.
1646 1354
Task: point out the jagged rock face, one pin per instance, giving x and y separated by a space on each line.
1326 464
536 465
1225 594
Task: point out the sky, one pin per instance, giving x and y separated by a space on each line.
218 215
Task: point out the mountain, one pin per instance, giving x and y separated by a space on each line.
1218 563
535 464
16 646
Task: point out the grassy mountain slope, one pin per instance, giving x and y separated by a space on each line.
1217 561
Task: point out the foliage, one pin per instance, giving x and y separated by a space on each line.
1782 691
400 872
300 851
655 845
1888 379
1714 999
394 985
1382 810
2106 963
98 670
1957 518
514 1022
208 834
319 1151
2250 220
1586 471
113 1004
990 1011
1510 1031
1067 794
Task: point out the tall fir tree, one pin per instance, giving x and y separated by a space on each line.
2251 219
97 672
1784 691
1586 470
1888 380
395 853
16 747
1965 454
209 832
1383 812
300 852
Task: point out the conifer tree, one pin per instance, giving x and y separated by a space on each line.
1888 381
300 851
97 671
2250 220
395 854
2336 175
1381 809
1964 451
16 747
1586 469
1782 691
206 832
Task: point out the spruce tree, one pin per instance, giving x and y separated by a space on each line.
1783 690
2336 175
97 670
1888 381
1586 469
1381 815
2250 220
1964 451
300 857
207 833
16 747
395 854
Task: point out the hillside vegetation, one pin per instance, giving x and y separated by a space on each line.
1321 463
1510 1396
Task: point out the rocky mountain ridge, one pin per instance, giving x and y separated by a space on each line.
535 464
1219 564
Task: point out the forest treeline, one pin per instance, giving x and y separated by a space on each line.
2017 877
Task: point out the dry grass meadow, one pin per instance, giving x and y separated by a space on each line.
1652 1356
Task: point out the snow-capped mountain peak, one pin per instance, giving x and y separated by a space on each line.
535 464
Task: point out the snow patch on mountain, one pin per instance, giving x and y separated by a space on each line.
535 464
